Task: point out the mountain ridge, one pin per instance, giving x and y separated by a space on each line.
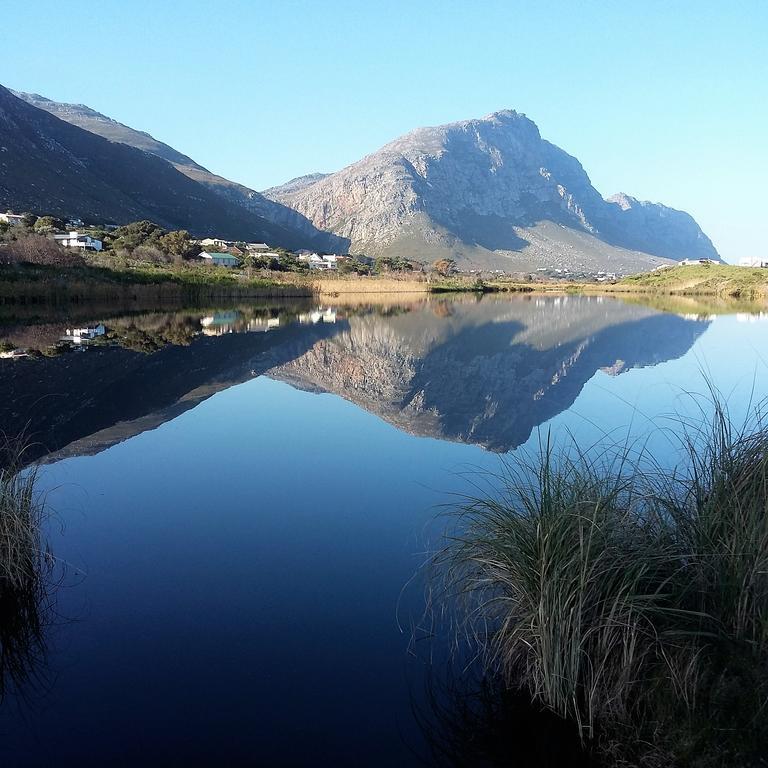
284 226
475 189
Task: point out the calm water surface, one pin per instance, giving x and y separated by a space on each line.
243 497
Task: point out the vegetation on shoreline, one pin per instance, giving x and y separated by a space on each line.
143 257
701 280
25 569
628 600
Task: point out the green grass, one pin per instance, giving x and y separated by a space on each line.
28 284
703 279
629 600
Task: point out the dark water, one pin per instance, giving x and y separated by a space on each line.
244 497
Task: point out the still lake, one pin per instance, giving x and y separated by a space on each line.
243 499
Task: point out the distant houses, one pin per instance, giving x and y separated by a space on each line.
220 259
754 263
696 262
12 219
213 244
76 240
316 261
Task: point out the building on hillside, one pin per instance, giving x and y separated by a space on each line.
256 247
754 262
316 261
76 240
220 259
12 219
214 243
696 262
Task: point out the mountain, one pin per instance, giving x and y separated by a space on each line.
299 184
490 193
282 218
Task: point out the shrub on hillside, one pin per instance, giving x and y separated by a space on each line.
151 255
37 249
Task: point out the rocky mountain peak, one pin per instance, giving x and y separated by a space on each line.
490 192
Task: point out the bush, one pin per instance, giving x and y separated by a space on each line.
151 254
37 249
629 600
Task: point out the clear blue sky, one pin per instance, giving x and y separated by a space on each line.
667 101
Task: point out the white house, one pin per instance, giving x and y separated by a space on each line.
76 240
695 262
220 259
256 247
315 261
12 219
214 242
754 262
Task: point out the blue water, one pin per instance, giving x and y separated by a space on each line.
242 580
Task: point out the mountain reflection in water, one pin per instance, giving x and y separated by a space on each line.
484 371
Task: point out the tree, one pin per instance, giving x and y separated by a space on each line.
138 233
47 225
444 267
179 244
392 264
28 219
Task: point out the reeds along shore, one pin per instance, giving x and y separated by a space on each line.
629 600
25 569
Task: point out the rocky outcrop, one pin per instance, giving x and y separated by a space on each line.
475 189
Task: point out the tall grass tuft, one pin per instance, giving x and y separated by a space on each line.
627 598
25 567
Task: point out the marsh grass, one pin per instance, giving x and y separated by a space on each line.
26 565
628 598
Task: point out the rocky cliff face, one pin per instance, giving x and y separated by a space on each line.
488 191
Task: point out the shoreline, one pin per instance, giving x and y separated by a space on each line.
32 285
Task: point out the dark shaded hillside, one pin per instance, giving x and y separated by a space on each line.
50 166
279 216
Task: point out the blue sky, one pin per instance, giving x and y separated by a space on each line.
665 101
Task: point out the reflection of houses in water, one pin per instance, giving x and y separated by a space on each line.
752 317
84 335
318 315
262 324
220 323
232 321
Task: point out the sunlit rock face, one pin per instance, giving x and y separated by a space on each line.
488 192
